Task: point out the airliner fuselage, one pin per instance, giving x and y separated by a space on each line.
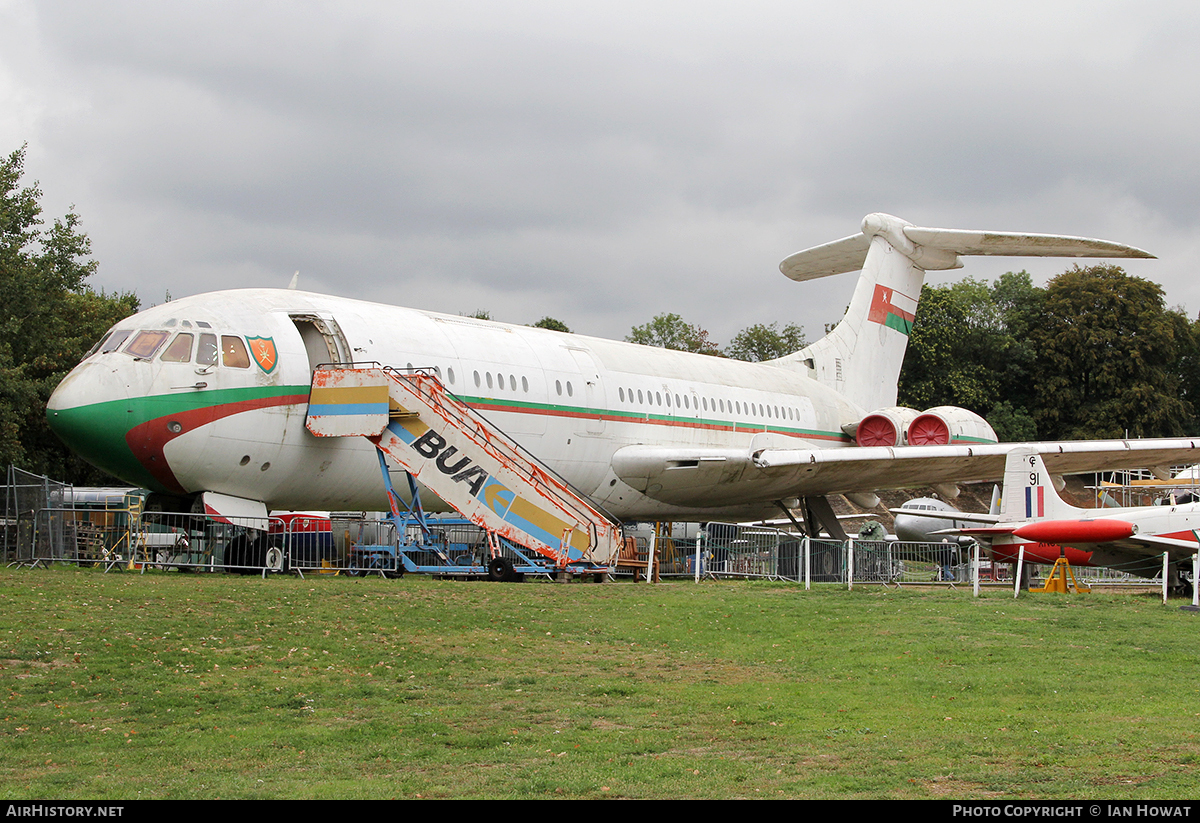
210 393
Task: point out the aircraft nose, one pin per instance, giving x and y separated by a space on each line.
91 415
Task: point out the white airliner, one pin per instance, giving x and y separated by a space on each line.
208 395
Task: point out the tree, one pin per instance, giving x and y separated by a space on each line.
551 324
1108 358
49 318
947 361
759 342
669 331
970 347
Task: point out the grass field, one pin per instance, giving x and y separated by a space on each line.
169 685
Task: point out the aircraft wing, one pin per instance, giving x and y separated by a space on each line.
1154 544
718 477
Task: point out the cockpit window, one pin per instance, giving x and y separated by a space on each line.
180 350
114 341
233 352
95 348
206 352
146 343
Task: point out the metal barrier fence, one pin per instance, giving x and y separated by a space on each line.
25 493
116 533
730 550
131 539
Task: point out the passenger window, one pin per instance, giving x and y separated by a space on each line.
180 350
206 352
146 343
233 352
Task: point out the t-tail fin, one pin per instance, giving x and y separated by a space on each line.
1029 492
861 357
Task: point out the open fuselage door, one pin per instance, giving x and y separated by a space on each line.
323 339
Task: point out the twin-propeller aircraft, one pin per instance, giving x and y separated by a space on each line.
207 396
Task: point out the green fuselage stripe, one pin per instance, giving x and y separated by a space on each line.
98 431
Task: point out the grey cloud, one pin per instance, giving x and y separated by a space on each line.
596 163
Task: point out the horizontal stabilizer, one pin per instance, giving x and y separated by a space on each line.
838 257
1016 244
937 249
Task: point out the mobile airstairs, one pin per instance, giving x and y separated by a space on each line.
534 522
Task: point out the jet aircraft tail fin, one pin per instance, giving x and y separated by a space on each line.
1029 492
861 357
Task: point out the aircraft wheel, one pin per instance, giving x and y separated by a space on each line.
501 569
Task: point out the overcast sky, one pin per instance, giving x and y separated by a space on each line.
597 162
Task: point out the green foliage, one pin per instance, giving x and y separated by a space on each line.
948 361
669 331
479 314
552 324
1012 424
766 342
49 318
1108 353
1092 355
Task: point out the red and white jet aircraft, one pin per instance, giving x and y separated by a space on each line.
1033 516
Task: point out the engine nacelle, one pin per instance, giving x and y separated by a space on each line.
885 427
949 424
